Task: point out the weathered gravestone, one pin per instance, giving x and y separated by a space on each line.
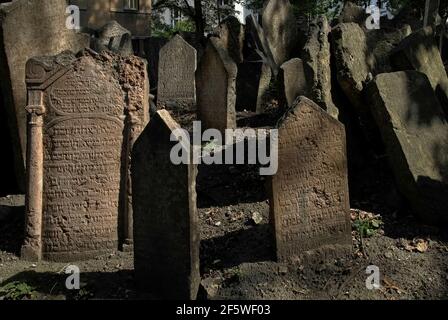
294 81
281 30
353 13
415 134
309 195
420 52
216 88
177 67
252 85
83 116
256 42
166 249
231 35
431 12
353 62
152 47
316 56
29 28
112 36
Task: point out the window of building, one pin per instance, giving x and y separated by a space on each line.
176 16
131 4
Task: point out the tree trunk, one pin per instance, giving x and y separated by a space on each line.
199 21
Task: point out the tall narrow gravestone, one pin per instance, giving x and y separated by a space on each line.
166 249
177 67
309 195
281 30
83 116
216 88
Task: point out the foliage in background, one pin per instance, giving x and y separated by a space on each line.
160 29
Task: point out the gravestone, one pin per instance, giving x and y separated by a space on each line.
252 84
415 134
216 88
256 42
420 52
281 30
231 35
316 56
112 36
294 81
351 57
84 114
152 47
353 13
29 28
177 67
309 193
431 13
166 249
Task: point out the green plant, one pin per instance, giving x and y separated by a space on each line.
163 30
367 227
17 290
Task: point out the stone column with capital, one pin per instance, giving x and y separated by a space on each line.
32 246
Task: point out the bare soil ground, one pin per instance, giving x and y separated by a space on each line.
237 254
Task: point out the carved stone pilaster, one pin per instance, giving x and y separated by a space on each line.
32 246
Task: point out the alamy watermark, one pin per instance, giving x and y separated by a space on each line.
373 280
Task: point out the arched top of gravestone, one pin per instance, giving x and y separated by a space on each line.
305 105
113 29
177 43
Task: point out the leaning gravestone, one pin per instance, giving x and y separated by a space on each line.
166 249
309 193
177 67
29 28
352 62
316 57
83 116
252 85
420 52
256 41
281 30
231 34
294 81
216 88
415 133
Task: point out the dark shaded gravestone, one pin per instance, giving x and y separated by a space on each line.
257 42
415 133
84 114
309 193
316 56
113 37
420 52
216 88
177 67
294 81
166 249
152 47
281 30
231 34
29 28
252 86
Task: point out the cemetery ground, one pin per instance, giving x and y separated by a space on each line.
237 257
